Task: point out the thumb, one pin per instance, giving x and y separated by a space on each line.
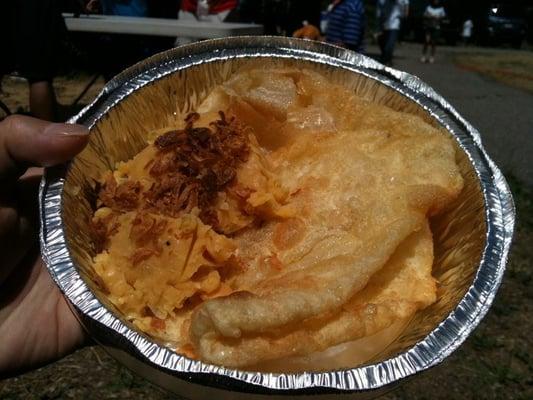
26 141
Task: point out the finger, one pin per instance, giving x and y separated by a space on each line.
26 141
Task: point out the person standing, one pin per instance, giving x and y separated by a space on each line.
389 15
466 33
433 16
34 32
346 24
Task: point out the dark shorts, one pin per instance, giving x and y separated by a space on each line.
35 32
432 32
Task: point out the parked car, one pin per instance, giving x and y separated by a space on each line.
501 23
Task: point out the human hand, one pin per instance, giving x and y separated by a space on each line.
36 324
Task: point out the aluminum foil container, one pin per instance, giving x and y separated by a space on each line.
472 238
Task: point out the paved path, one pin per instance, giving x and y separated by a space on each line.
503 115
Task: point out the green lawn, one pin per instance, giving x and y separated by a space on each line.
510 67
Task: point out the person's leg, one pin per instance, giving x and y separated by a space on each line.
382 38
43 100
427 39
392 36
395 34
41 30
433 50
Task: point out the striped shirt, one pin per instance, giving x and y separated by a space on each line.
346 24
216 6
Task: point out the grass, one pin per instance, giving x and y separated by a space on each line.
510 67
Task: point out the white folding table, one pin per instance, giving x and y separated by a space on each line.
158 26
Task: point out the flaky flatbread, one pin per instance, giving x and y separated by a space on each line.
310 209
403 286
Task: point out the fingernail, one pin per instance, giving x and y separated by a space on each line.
66 130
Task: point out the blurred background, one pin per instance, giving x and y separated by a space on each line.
56 55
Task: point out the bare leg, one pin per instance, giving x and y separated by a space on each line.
425 48
43 100
432 56
426 42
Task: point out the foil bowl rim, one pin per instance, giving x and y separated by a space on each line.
500 217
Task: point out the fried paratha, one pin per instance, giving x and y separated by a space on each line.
286 216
